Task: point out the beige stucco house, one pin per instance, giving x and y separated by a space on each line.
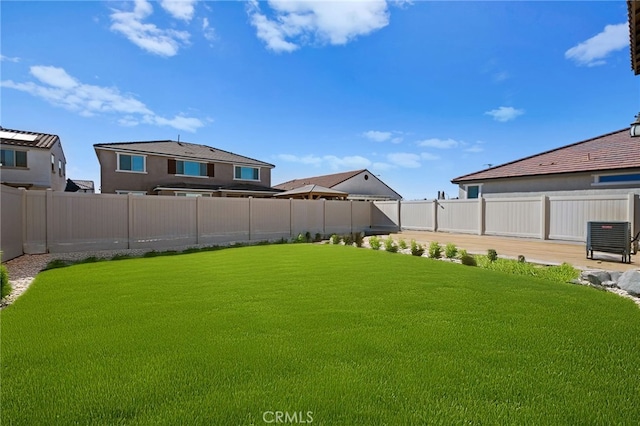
182 169
32 160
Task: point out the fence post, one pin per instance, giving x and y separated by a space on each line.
481 215
324 217
399 213
23 199
631 212
434 213
351 218
544 217
48 203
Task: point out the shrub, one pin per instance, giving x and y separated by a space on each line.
56 263
462 252
299 239
5 287
335 239
416 249
468 260
435 250
521 259
450 251
390 245
359 239
374 242
318 237
348 239
307 237
402 244
492 255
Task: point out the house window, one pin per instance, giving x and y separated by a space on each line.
191 168
13 158
192 194
53 163
473 191
124 192
618 179
60 167
131 163
247 173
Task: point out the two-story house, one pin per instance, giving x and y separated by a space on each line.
32 160
182 169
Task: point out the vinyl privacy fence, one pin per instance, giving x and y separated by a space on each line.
58 222
559 217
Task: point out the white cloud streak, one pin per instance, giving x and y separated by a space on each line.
330 161
209 33
592 52
504 114
162 42
297 23
439 143
59 88
179 9
378 136
9 59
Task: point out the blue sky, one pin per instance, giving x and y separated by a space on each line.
417 92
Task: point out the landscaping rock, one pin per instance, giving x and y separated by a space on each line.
610 284
615 275
596 277
630 282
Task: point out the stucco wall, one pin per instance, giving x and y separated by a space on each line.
549 185
38 172
157 174
371 185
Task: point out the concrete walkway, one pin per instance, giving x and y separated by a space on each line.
544 252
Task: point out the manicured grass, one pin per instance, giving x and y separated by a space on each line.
354 336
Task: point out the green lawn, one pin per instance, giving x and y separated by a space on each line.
353 336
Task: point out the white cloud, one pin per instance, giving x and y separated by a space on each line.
405 159
209 33
330 161
593 51
9 59
179 9
297 23
162 42
378 136
439 143
429 157
59 88
504 114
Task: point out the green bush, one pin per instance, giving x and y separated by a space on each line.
307 237
492 255
521 258
374 242
450 251
348 239
435 250
335 239
299 239
358 238
416 249
402 244
5 287
390 245
563 273
468 260
318 237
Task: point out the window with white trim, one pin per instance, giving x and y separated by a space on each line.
473 191
613 179
191 168
246 173
13 158
131 163
53 163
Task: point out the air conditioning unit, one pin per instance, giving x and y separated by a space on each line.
609 237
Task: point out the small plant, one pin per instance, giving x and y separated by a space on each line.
450 251
307 237
390 245
299 239
467 259
416 249
358 238
521 259
435 250
5 287
318 237
374 242
348 239
335 239
402 244
56 263
492 255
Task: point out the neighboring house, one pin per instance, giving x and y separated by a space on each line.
77 185
359 184
32 160
609 162
180 168
633 9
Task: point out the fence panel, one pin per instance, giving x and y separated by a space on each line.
337 217
307 216
36 223
157 221
270 219
360 216
12 211
568 216
519 217
384 214
87 222
417 215
459 216
223 220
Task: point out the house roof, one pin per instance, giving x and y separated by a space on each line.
84 184
240 187
613 151
312 190
27 139
633 10
328 181
182 150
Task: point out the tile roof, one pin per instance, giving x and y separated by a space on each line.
613 151
313 189
328 181
26 138
182 150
